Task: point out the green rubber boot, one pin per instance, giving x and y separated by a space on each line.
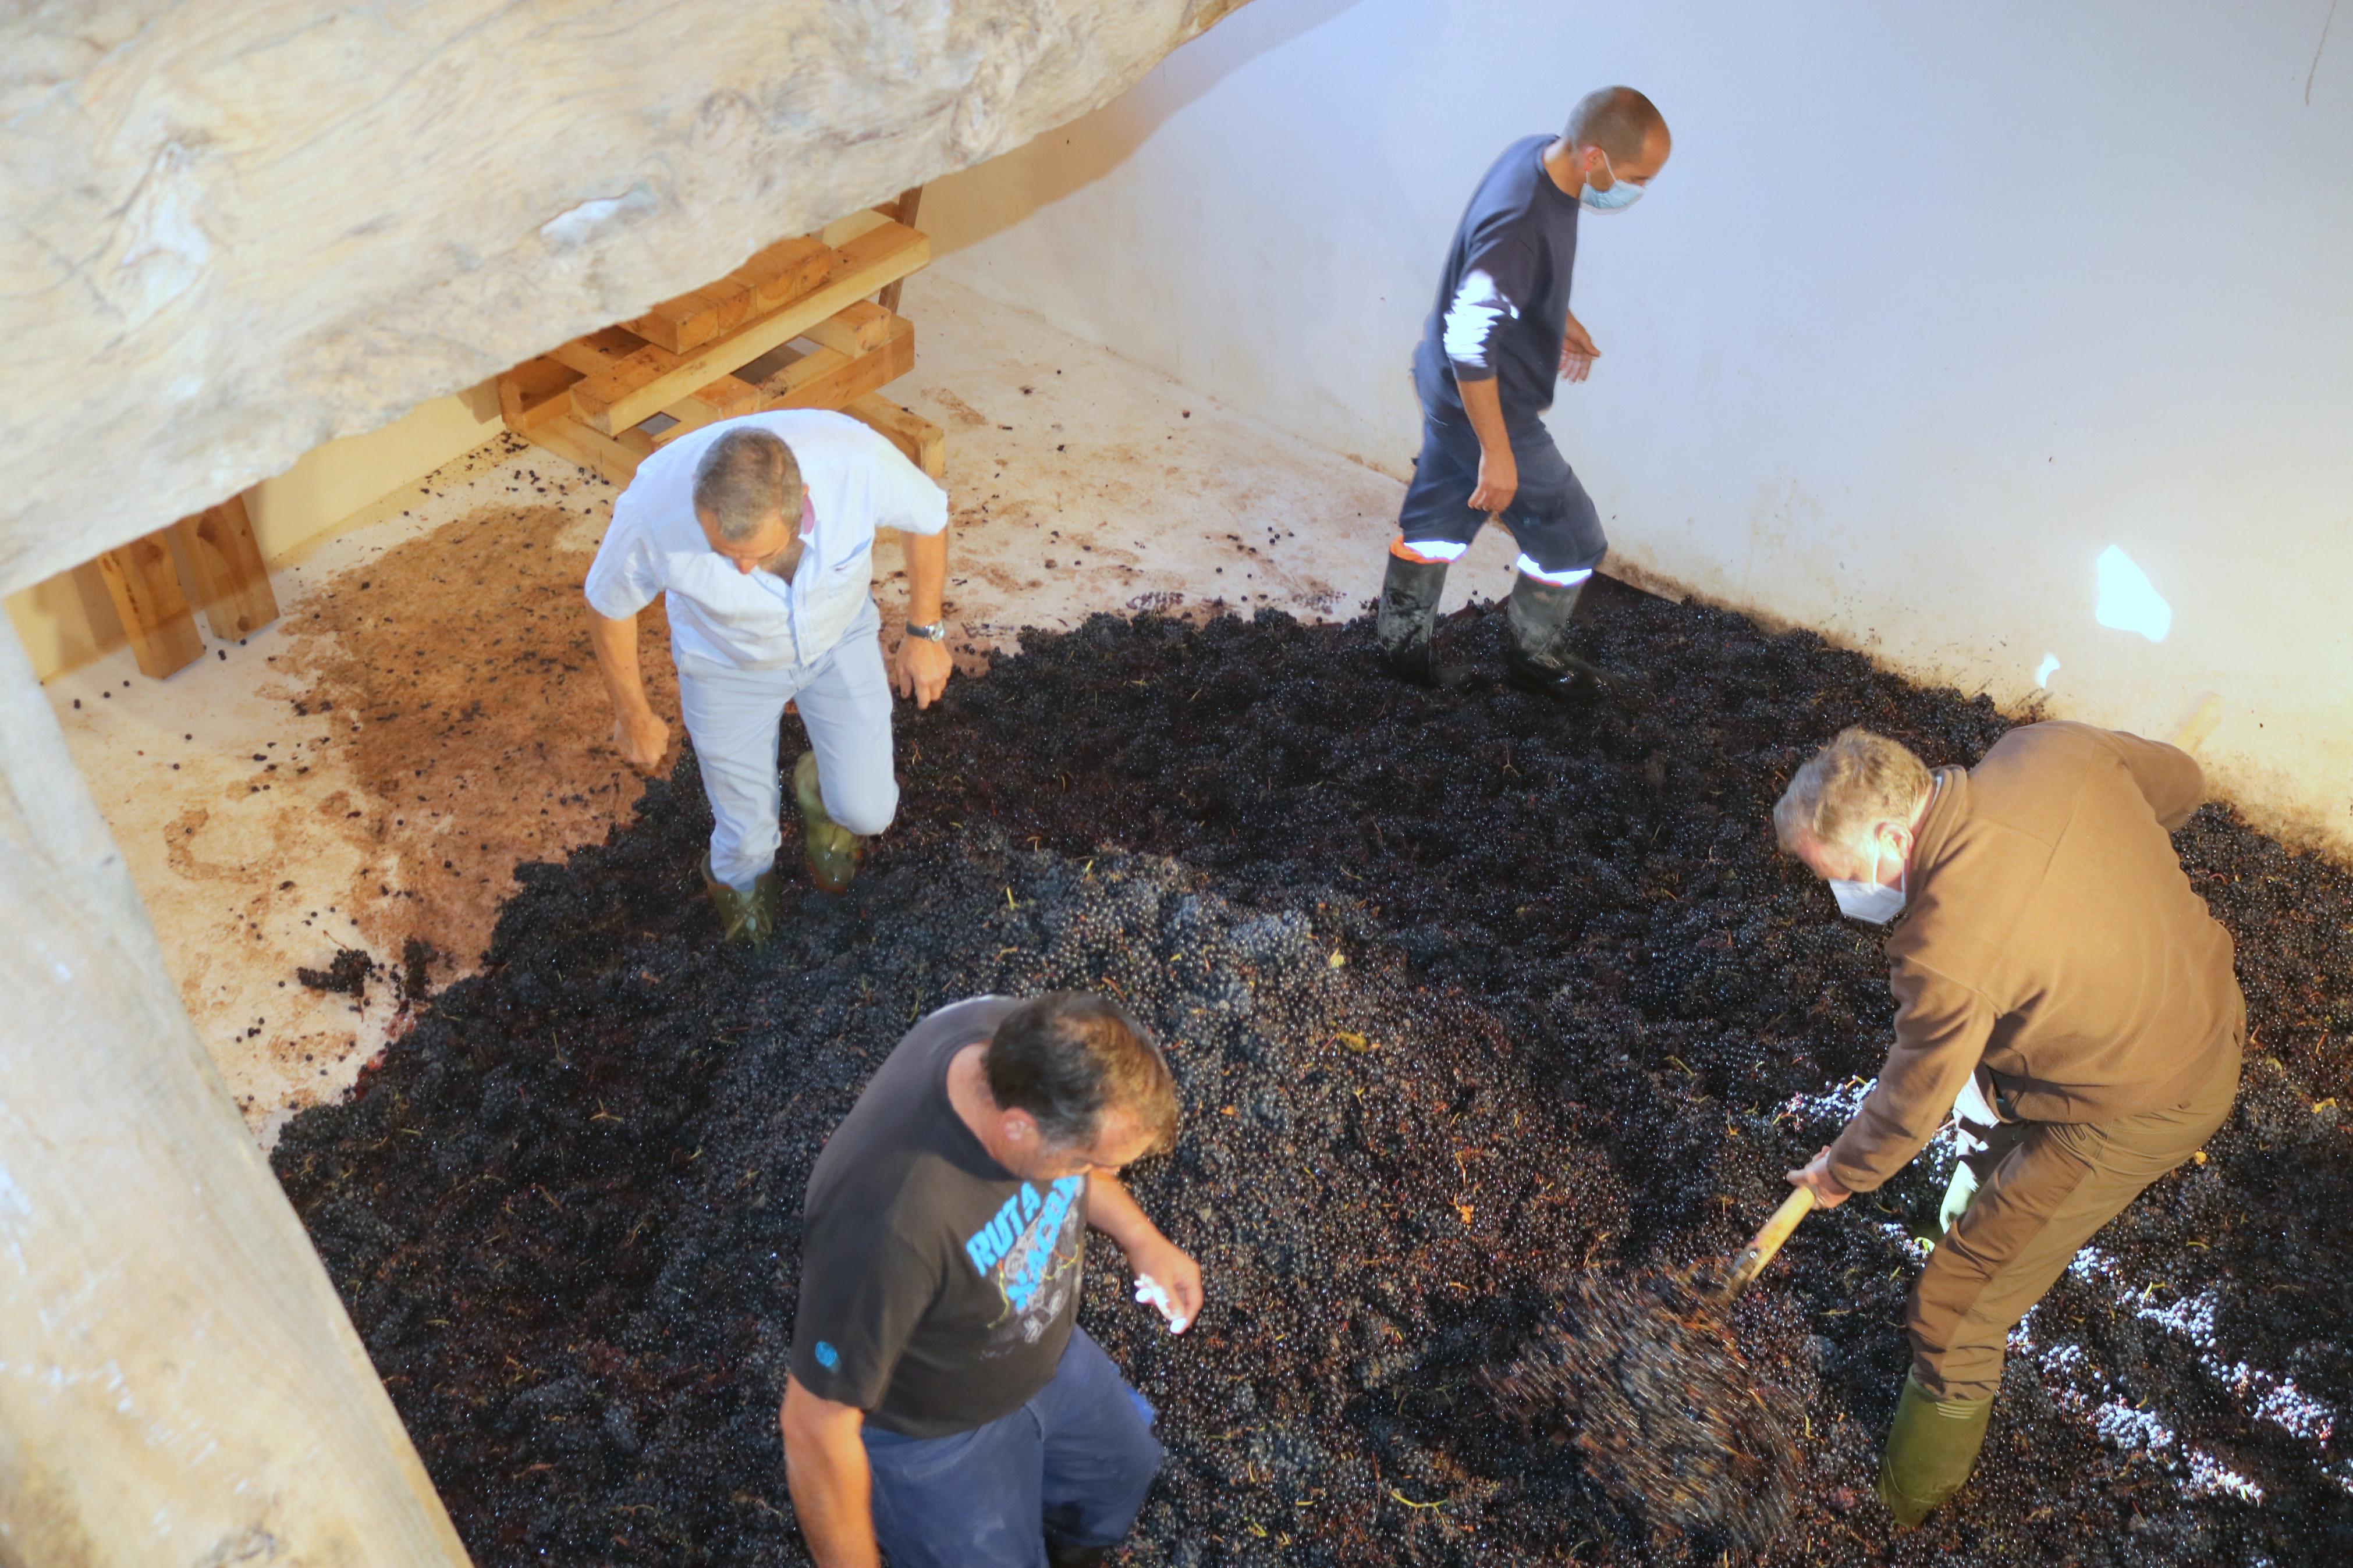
1931 1449
832 850
749 918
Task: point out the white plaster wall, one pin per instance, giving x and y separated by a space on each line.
1933 304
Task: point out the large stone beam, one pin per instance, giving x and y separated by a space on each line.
179 1384
231 231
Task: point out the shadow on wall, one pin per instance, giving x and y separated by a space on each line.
1096 145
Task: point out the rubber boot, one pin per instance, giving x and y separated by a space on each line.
1535 654
832 850
1408 611
1060 1556
1931 1449
747 919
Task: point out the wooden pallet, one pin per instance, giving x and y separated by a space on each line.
232 586
802 312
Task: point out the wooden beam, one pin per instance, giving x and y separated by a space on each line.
694 318
232 580
616 458
901 211
183 1385
145 587
784 272
855 329
831 379
917 436
535 392
612 347
649 381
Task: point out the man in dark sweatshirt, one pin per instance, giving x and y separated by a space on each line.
2061 990
1498 337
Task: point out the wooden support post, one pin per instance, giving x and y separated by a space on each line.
902 211
145 587
648 382
616 458
783 272
536 391
831 379
857 327
917 436
232 580
183 1384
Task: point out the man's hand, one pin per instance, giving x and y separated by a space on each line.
1168 1265
1499 481
1817 1178
1576 351
921 669
643 740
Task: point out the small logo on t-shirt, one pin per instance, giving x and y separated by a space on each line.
826 1356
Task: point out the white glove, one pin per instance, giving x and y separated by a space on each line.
1151 1292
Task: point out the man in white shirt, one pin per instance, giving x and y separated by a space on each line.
761 532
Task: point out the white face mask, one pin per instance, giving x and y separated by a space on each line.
1867 901
1870 901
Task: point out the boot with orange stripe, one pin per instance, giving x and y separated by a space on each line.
1408 611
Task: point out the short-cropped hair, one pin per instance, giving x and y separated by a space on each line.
1618 119
747 476
1069 1057
1857 780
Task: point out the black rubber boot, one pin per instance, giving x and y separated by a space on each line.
1060 1556
1536 653
1408 611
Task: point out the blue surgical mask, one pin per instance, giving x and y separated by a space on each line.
1621 194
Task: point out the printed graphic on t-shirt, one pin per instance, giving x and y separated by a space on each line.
1030 1250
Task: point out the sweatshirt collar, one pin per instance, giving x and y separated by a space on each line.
1945 809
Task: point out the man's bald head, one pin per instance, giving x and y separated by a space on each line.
1621 122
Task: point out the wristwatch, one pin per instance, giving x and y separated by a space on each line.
937 631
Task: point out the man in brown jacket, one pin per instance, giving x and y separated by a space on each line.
2059 989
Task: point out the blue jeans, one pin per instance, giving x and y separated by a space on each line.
1075 1461
735 716
1559 532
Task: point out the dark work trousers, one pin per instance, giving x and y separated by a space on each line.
2046 1186
1075 1461
1553 519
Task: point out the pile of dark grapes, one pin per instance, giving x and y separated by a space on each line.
1476 1005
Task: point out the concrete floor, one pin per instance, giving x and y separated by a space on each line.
366 773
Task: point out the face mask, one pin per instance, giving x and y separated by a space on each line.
1868 901
1620 195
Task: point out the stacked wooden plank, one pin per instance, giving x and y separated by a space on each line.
218 549
801 309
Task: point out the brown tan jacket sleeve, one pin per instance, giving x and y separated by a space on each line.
2169 778
1941 1030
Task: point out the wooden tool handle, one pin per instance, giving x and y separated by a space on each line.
1767 1241
2200 724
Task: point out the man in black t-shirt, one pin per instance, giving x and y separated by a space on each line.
942 1400
1499 335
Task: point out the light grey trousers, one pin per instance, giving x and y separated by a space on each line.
733 716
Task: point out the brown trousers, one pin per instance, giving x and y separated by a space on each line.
2051 1185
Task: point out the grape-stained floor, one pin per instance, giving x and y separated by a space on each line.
424 714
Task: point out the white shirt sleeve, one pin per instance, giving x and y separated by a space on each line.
627 574
904 496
